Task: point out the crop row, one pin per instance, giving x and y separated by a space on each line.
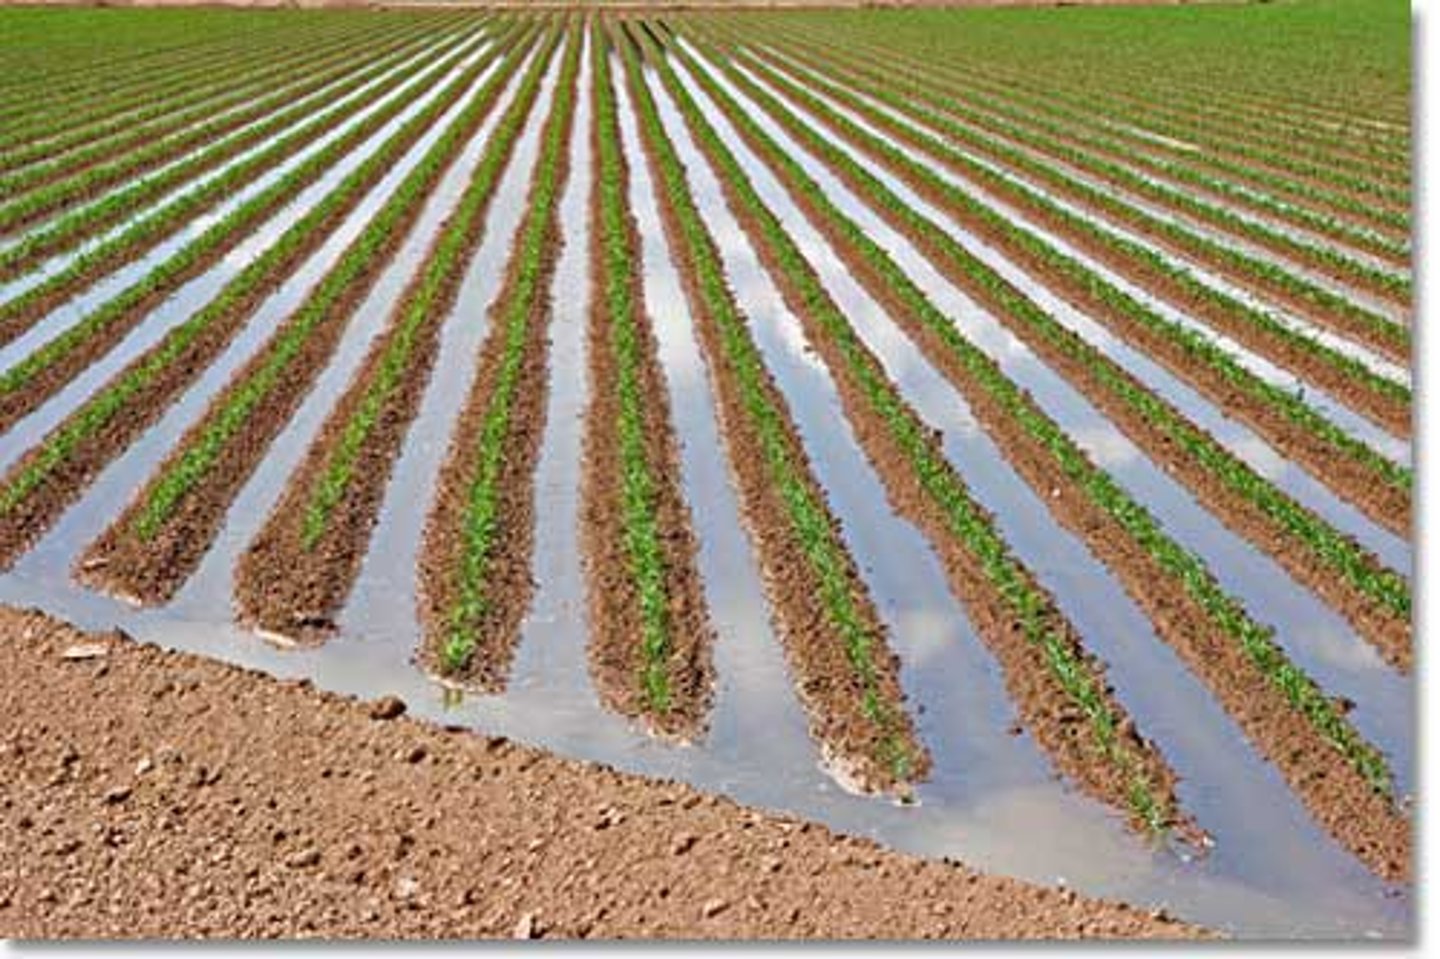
75 226
474 579
1379 397
985 571
1061 100
922 80
300 566
1103 97
48 124
91 179
49 476
1318 302
150 550
1160 572
49 366
236 103
1352 468
884 753
1290 532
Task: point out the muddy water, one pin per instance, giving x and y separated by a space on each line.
193 295
320 102
1317 639
1348 420
1260 830
111 286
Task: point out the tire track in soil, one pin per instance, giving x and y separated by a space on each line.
148 566
291 590
614 598
1363 820
1051 714
858 749
505 578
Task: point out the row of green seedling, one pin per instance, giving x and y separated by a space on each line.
89 179
1361 322
220 237
51 125
965 520
1145 257
268 89
924 79
170 488
267 269
619 263
74 227
809 520
1216 151
1187 570
1200 348
482 502
1330 548
425 305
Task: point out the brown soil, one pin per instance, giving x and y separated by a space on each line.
1047 710
24 523
1383 408
1390 634
97 267
507 576
830 690
151 570
1364 821
616 657
287 590
1348 478
158 794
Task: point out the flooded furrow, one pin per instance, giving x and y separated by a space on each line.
1260 366
1319 640
1266 219
756 717
93 296
194 294
318 105
1357 426
56 551
1235 436
1222 775
962 706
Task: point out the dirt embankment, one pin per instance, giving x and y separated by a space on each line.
151 793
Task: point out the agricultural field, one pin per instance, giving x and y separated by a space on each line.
986 431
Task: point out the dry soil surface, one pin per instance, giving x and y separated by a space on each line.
150 793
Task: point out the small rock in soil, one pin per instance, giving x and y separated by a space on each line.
387 707
713 907
304 860
117 795
525 928
85 651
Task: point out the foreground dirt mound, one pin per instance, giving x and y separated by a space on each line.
151 793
